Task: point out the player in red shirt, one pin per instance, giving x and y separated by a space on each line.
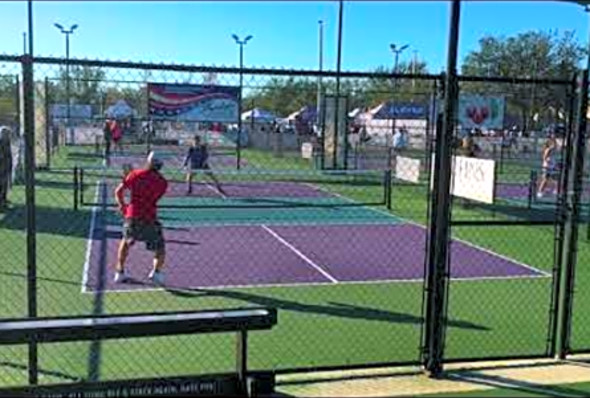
141 223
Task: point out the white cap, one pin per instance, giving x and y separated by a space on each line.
154 160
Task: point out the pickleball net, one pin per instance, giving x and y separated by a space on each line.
250 188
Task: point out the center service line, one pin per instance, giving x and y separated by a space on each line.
298 253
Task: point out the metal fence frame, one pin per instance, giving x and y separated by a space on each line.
436 281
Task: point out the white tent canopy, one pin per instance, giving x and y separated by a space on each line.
259 115
120 109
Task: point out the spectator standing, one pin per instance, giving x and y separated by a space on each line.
5 167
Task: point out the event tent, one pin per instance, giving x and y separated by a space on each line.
259 115
307 114
120 110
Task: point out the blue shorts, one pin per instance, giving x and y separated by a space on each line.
550 173
198 166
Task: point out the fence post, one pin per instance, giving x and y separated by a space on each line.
18 106
439 229
431 124
29 172
47 124
560 232
572 224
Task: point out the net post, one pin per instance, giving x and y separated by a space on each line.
532 191
387 189
81 185
76 185
502 155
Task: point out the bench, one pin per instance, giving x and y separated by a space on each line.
101 327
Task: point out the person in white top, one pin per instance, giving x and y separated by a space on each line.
549 167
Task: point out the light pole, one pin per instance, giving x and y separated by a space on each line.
321 64
414 66
396 51
241 44
67 33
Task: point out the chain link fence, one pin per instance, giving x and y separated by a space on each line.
320 210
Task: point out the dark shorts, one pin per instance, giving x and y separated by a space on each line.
550 173
148 232
198 166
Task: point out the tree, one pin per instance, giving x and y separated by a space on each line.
286 95
282 95
379 90
529 54
85 85
8 100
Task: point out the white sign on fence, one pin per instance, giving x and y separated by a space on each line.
407 169
471 178
306 150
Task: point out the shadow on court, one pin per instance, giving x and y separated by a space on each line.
335 309
49 220
65 185
42 372
546 212
85 156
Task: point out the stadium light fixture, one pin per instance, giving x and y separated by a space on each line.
67 33
397 52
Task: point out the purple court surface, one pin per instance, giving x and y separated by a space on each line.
283 255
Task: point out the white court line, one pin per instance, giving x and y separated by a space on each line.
217 191
86 268
298 253
488 251
543 274
318 284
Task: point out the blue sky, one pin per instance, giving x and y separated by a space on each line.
285 33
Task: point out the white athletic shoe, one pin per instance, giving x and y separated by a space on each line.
539 195
157 277
121 277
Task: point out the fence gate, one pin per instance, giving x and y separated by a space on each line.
508 217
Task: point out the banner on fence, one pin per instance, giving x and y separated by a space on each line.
407 169
477 111
192 102
471 178
76 112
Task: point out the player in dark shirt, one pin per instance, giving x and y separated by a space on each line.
197 158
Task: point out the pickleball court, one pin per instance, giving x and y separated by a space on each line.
235 239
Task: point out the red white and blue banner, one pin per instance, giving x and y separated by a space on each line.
192 102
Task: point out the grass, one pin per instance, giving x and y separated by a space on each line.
318 325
